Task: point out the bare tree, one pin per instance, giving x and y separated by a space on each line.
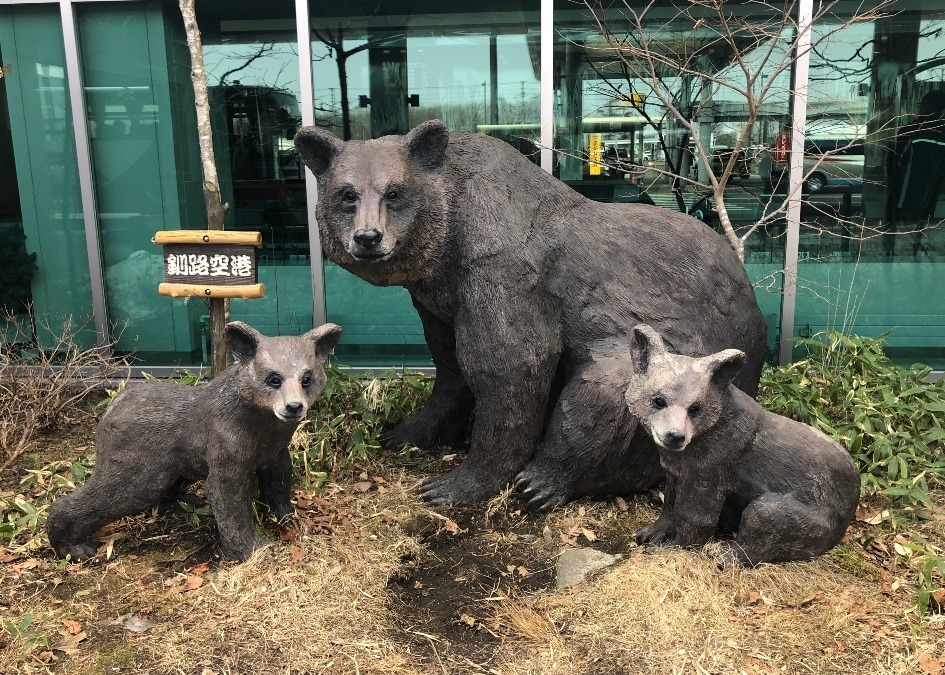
683 62
216 209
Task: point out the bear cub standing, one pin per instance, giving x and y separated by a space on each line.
773 488
159 436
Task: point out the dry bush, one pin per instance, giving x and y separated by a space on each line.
43 387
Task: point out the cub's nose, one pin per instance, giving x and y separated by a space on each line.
368 238
294 408
674 439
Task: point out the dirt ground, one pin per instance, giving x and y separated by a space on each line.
368 579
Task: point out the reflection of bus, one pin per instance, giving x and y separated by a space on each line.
261 123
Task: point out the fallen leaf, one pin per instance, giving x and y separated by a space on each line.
7 557
622 504
938 598
28 564
70 643
191 582
363 486
588 534
201 569
379 479
72 627
296 553
928 663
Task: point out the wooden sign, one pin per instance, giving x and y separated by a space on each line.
210 264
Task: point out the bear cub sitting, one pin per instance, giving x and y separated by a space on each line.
774 489
157 437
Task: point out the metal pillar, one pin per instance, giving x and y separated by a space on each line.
795 179
84 160
307 105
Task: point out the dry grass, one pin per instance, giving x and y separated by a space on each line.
373 581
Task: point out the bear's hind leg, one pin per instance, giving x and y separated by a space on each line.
73 519
779 528
590 446
445 415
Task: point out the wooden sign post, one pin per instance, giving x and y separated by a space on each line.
210 264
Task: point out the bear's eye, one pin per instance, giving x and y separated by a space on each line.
694 410
306 380
392 195
274 381
658 402
349 196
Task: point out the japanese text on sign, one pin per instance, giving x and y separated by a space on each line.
215 265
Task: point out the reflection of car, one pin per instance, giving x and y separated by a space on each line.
720 157
830 162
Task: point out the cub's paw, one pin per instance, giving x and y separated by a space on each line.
78 552
657 533
241 551
727 555
416 431
541 487
462 485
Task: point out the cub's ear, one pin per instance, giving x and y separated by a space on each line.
243 341
318 149
724 366
325 338
426 144
645 343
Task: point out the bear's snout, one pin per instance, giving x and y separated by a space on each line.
291 411
367 241
673 439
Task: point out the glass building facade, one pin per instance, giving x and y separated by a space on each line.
836 182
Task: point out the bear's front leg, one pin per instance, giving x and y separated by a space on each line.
444 416
663 529
508 353
697 511
229 489
275 485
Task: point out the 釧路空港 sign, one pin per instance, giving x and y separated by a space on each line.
210 264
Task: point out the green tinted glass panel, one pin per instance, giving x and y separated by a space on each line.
145 172
378 73
40 196
872 245
253 78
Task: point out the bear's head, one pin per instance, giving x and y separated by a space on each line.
383 204
282 374
675 397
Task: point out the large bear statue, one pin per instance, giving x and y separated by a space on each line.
522 286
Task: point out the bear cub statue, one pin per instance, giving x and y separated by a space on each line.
157 437
773 489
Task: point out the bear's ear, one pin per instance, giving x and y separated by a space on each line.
645 343
325 338
243 341
426 144
318 149
724 366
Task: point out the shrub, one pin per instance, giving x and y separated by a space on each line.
889 417
346 423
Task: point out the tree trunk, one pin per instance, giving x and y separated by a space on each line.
216 210
343 87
